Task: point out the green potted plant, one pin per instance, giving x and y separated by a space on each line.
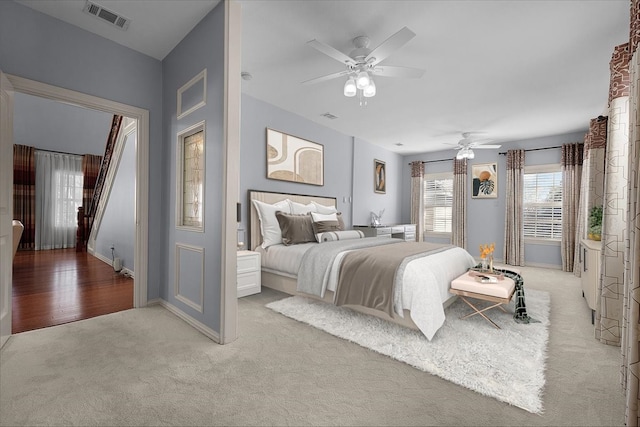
595 223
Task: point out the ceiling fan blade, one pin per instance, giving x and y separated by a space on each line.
327 77
392 71
390 45
485 146
332 52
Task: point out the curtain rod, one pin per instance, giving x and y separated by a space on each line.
58 152
535 149
434 161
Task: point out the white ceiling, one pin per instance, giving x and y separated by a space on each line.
511 69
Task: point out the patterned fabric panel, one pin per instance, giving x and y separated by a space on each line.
619 84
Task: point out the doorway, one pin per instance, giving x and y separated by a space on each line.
30 87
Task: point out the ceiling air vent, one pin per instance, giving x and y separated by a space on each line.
106 15
329 116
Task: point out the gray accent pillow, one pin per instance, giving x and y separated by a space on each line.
321 225
295 228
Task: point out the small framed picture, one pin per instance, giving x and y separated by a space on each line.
379 176
484 179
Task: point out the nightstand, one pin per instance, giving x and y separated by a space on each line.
249 273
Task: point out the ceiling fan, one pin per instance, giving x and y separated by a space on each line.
465 145
362 63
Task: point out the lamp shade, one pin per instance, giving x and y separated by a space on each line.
350 87
370 90
362 81
470 153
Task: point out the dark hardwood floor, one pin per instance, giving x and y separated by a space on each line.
62 285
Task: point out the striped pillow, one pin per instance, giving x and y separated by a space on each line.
331 236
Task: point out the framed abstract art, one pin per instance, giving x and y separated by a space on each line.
484 181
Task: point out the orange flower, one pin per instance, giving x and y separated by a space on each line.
487 250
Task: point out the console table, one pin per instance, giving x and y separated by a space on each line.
405 232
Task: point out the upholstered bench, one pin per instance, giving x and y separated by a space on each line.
500 292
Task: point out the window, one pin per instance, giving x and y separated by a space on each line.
68 185
438 202
543 202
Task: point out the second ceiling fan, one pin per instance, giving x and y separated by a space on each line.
362 63
467 143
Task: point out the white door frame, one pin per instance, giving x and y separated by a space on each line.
6 206
141 254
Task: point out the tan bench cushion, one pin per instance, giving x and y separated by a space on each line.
502 289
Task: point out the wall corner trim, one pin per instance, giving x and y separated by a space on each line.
201 327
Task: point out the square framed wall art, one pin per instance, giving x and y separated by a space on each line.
294 159
484 181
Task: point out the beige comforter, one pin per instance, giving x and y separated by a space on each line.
368 276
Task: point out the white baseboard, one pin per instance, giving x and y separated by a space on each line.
540 265
499 262
201 327
125 270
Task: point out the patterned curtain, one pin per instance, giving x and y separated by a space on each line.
631 306
514 230
592 182
90 171
571 176
459 223
417 198
24 193
614 216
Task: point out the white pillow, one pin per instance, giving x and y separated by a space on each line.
324 209
299 208
317 217
269 226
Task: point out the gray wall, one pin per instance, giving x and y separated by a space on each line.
117 227
54 126
202 48
365 199
42 48
486 217
257 116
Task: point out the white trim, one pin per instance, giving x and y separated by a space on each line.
108 261
231 169
541 241
202 75
551 167
438 175
176 282
180 174
141 258
542 265
201 327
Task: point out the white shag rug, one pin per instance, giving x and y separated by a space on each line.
507 364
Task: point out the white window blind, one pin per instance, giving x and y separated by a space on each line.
438 203
543 202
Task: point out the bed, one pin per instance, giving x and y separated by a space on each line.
425 280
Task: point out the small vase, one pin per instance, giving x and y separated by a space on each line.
485 264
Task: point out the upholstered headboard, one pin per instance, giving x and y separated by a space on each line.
255 239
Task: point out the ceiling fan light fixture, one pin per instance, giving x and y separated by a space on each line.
370 90
350 88
470 153
362 81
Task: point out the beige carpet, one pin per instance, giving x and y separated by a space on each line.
507 363
147 367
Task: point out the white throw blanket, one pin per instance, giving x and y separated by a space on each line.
424 288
